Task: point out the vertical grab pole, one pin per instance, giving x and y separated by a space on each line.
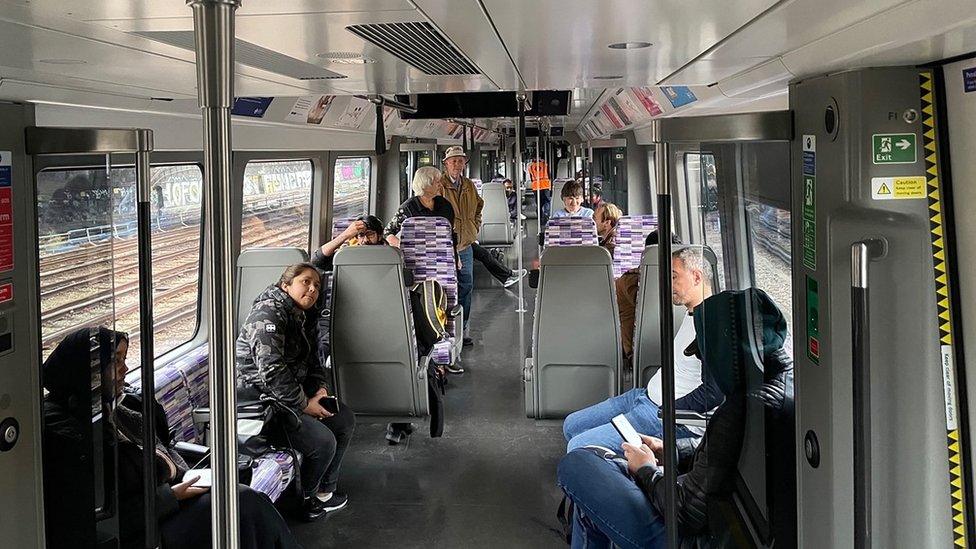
662 171
144 141
213 24
519 183
861 253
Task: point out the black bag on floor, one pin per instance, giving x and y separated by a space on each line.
429 303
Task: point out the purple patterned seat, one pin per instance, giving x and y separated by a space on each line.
273 473
571 231
631 232
428 252
196 375
174 397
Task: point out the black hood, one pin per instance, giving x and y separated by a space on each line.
70 370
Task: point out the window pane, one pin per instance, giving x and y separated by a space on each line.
701 181
769 228
87 243
351 196
276 211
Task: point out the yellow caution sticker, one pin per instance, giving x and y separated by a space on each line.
898 188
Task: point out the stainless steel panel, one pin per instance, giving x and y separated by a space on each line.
50 140
759 126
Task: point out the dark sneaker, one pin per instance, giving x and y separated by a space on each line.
515 278
313 509
334 501
455 368
467 342
395 435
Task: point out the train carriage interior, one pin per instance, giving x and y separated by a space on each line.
487 273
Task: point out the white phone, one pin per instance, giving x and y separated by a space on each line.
626 430
205 481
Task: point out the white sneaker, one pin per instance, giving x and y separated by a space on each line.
515 278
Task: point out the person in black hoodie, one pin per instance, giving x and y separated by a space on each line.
620 500
183 510
277 360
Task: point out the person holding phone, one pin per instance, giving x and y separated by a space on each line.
277 359
182 507
621 500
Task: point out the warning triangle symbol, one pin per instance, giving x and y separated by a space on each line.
884 189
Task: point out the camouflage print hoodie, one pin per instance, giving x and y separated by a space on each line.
276 350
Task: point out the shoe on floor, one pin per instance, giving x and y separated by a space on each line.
515 278
332 501
313 510
395 435
467 342
455 369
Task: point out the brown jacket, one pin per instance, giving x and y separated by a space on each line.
467 209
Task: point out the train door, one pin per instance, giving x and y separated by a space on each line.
731 177
489 162
412 157
878 359
610 170
89 185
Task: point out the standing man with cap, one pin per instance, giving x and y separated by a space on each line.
461 193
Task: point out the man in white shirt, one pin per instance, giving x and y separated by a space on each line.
690 285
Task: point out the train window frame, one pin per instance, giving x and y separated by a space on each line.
314 172
370 181
124 161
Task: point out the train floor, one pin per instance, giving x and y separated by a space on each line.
489 481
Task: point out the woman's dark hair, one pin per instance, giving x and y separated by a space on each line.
293 271
373 223
571 188
67 371
652 239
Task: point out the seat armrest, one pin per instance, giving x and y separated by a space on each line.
192 453
528 368
689 418
456 311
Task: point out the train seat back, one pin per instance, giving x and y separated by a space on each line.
340 224
258 268
428 252
576 298
496 224
557 190
374 356
571 231
647 321
632 231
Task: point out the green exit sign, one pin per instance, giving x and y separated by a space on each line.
894 148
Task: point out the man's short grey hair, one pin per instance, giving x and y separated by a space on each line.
424 178
693 259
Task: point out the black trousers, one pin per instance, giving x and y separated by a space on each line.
322 443
261 525
495 267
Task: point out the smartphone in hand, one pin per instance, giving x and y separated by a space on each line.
626 430
330 403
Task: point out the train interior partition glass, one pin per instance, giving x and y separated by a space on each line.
277 200
87 242
610 173
410 162
737 195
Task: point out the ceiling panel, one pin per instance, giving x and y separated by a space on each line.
105 10
563 43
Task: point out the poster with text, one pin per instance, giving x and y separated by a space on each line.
391 118
355 114
621 115
611 116
310 109
645 97
679 96
630 106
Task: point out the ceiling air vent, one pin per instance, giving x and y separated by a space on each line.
418 44
251 55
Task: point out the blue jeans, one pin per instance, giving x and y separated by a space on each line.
610 507
466 282
591 426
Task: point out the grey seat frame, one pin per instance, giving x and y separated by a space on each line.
375 366
496 226
647 319
576 356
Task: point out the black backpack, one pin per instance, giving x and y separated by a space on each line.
429 303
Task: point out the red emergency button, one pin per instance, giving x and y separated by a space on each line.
6 292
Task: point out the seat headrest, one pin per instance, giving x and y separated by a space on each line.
368 255
632 230
340 224
571 231
575 255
